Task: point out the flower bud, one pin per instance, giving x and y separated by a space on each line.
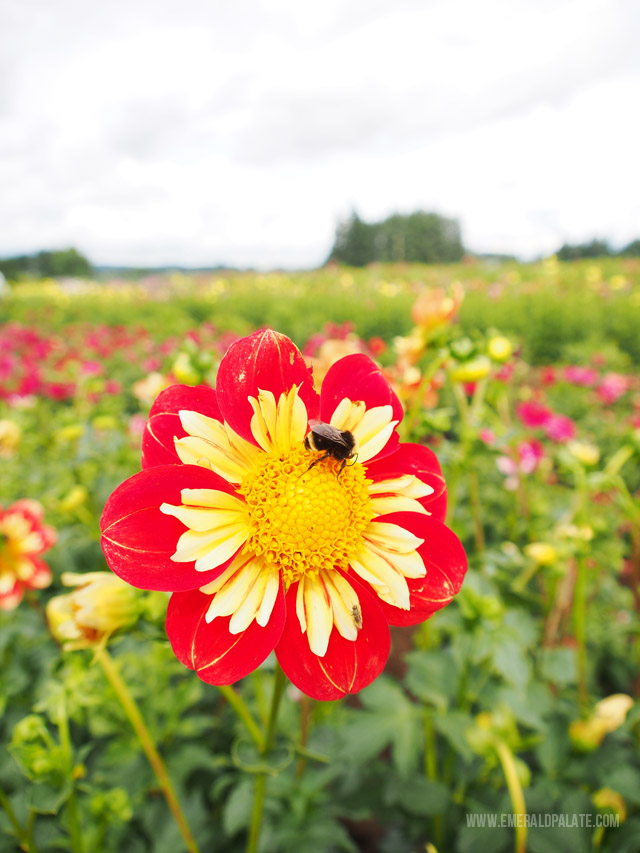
100 604
74 498
541 553
471 371
184 370
610 801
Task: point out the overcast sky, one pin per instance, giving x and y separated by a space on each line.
237 131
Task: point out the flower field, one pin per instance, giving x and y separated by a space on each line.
379 591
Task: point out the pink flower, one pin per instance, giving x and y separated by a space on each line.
585 376
548 376
612 387
530 453
534 414
559 428
487 436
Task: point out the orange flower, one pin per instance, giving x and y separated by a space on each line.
23 538
436 307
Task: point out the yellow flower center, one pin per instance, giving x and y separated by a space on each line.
306 519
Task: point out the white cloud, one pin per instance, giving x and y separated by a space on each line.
157 132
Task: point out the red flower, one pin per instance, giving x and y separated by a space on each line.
23 538
267 544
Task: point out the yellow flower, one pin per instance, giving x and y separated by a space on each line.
500 348
541 553
586 453
10 435
99 605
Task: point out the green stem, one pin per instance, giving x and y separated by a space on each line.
476 508
23 835
467 419
279 684
237 703
135 718
72 802
516 794
580 628
305 718
431 769
411 418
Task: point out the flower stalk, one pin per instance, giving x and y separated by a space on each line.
280 681
237 703
22 834
516 794
73 815
137 721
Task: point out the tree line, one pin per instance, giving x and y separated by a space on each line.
418 237
47 264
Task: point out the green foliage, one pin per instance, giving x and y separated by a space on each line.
408 760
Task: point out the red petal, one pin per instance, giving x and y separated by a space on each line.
138 540
446 564
348 666
358 378
217 656
265 361
164 423
418 460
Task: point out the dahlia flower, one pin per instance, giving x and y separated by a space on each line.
23 538
267 544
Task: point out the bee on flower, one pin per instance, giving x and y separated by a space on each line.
23 540
266 540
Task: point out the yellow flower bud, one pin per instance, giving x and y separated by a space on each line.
70 432
614 709
74 498
588 454
587 735
608 800
184 371
104 422
500 348
100 604
608 715
541 553
471 371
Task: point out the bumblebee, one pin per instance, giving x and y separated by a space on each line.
332 442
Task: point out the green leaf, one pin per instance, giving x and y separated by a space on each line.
512 663
559 666
418 796
47 799
432 677
237 809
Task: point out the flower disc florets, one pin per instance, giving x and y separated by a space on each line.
305 519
